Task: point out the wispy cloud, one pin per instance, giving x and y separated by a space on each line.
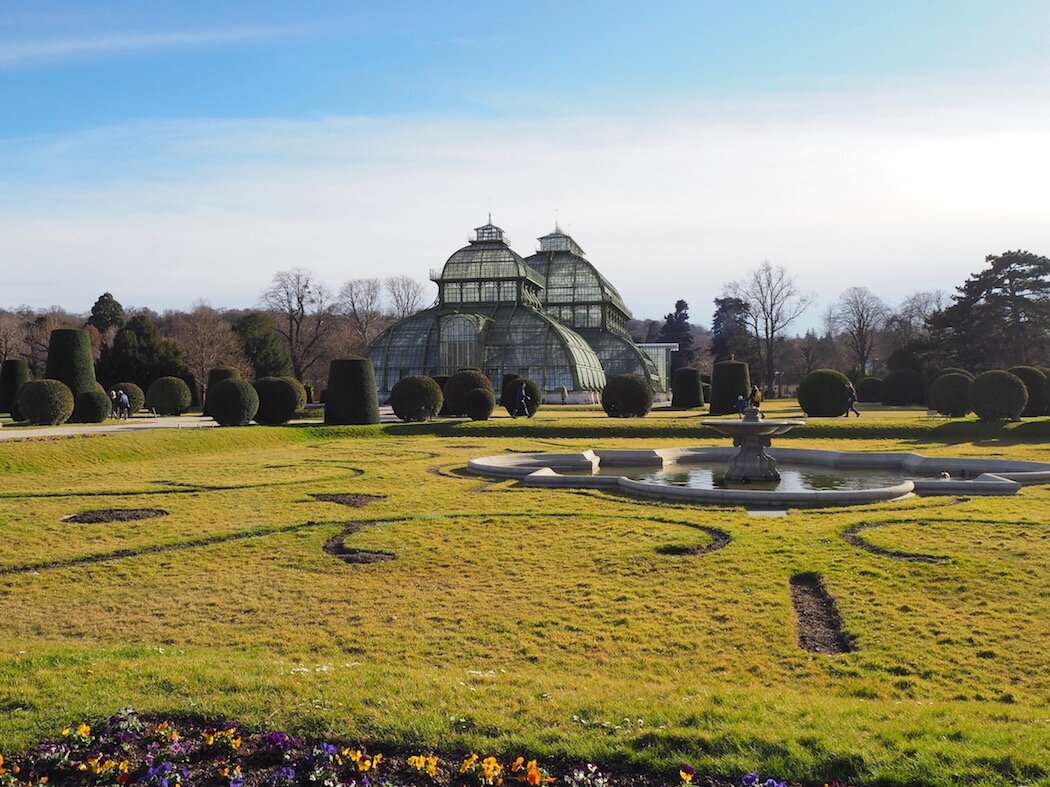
39 52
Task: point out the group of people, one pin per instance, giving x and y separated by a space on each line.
754 400
121 405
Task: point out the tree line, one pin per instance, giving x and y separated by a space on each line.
998 318
299 326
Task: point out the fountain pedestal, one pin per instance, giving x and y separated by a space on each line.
752 435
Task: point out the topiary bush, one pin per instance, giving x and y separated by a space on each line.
301 397
903 386
168 396
1046 390
233 402
46 402
949 394
351 394
14 373
998 395
216 376
509 395
729 379
955 370
506 386
416 398
687 388
822 393
278 400
903 358
459 384
627 396
93 407
441 379
136 398
1033 380
479 403
869 389
69 359
705 389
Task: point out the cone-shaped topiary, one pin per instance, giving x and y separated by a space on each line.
998 395
69 359
168 396
1033 380
216 376
479 403
416 398
233 402
822 393
456 388
869 389
949 394
93 407
729 379
278 400
136 398
14 373
903 386
627 396
351 397
46 402
687 388
509 396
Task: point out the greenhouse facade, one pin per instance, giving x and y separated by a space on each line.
551 318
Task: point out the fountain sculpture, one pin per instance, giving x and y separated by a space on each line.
752 435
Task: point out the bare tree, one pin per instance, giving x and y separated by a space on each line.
38 327
860 315
12 336
207 341
406 295
361 301
908 321
305 313
773 303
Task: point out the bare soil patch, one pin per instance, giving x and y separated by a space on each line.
819 623
114 515
351 500
336 548
851 536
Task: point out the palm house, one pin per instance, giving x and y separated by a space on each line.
552 318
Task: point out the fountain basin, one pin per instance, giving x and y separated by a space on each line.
580 470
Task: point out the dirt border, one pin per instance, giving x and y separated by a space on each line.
851 535
820 627
102 515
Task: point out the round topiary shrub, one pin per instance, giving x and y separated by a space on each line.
479 403
686 389
93 407
949 394
869 389
955 370
351 394
441 379
1033 380
729 379
168 396
136 398
301 398
459 384
216 376
998 395
822 393
509 396
278 400
903 386
233 402
627 396
46 402
14 373
416 398
506 386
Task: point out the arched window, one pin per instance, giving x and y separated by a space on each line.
459 343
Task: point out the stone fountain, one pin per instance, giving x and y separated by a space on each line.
752 435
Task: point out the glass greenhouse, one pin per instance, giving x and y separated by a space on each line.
552 318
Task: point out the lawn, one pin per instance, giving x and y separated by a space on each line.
567 624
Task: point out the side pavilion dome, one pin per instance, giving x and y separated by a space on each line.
489 316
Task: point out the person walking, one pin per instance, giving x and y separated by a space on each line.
521 400
123 406
851 398
114 411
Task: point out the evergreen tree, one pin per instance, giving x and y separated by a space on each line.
257 333
107 313
730 336
140 355
676 329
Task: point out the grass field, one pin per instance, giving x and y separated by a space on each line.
563 623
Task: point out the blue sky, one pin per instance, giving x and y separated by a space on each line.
175 151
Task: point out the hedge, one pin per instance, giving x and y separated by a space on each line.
216 376
278 400
903 386
168 396
14 373
949 394
627 396
45 402
687 388
998 395
509 395
233 402
92 407
869 389
351 394
416 398
69 359
479 403
822 393
459 384
1033 380
136 398
729 379
302 396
